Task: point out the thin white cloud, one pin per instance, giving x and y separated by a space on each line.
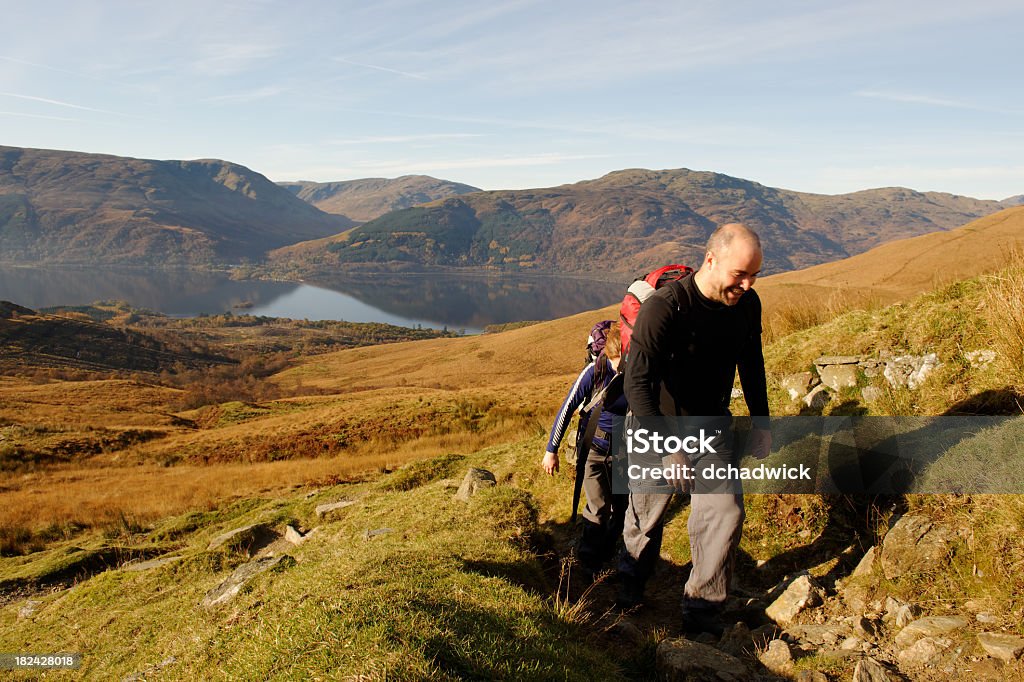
69 105
397 139
47 118
228 59
385 69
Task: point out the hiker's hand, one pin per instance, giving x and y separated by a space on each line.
760 443
550 463
677 461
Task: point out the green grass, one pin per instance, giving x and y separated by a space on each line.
453 590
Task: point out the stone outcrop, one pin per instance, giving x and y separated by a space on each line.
930 626
1001 645
910 370
682 659
803 593
244 538
870 670
243 575
800 384
916 545
475 480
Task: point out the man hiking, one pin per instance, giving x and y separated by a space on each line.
602 517
690 337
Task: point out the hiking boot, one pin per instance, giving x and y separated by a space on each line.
631 593
698 621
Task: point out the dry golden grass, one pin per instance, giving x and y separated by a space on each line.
1004 308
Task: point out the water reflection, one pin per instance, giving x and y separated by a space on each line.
455 301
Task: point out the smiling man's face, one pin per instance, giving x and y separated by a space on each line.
732 272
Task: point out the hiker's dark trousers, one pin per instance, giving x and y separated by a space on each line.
715 528
604 513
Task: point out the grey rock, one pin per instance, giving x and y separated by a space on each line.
803 593
826 360
872 394
736 393
986 618
736 641
326 510
799 384
292 535
916 545
817 635
906 615
838 377
852 644
29 608
475 480
873 371
777 657
234 583
930 626
923 652
1001 645
870 670
244 537
683 659
980 358
857 586
817 398
910 370
153 563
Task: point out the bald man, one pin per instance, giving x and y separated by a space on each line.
689 339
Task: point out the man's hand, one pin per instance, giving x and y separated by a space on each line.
760 443
550 463
681 484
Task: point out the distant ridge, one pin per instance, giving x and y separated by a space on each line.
369 198
70 207
631 220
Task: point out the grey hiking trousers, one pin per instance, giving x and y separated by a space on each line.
715 527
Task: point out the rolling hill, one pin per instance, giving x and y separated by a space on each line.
630 219
369 198
69 207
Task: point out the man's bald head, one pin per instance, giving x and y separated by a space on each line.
722 238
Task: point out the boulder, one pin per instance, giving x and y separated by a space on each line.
858 585
870 670
327 510
242 575
1001 645
292 535
683 659
799 384
923 652
475 480
838 377
803 593
244 538
930 626
816 635
910 370
777 657
916 545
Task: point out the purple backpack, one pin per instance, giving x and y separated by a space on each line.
595 342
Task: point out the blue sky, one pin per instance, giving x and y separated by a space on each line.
806 95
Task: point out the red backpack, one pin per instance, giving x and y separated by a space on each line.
640 290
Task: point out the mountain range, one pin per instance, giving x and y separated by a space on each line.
629 220
368 198
70 207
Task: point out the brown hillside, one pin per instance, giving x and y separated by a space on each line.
369 198
69 207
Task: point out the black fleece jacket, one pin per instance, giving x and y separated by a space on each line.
685 350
